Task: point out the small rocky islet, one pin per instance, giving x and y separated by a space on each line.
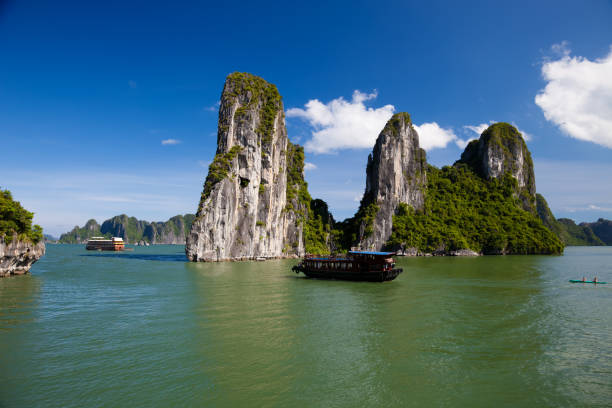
21 243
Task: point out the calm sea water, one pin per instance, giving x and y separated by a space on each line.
147 329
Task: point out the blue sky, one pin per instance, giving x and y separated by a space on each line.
88 92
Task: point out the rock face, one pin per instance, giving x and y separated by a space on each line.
396 173
17 257
499 150
252 202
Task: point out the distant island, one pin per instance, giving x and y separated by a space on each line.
255 200
21 243
586 233
132 230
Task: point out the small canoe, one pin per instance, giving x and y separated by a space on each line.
581 281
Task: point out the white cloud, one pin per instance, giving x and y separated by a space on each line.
526 136
212 108
432 136
204 163
478 129
578 96
342 124
309 166
590 207
132 84
561 49
170 142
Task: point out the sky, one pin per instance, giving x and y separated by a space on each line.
111 107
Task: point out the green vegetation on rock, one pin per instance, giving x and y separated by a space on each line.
16 220
464 211
394 124
219 169
255 89
503 143
313 214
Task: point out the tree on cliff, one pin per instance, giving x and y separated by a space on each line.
16 220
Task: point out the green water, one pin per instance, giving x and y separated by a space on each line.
147 329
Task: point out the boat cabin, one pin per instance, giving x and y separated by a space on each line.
357 261
105 244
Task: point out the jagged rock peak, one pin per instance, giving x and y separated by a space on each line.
244 210
500 150
396 173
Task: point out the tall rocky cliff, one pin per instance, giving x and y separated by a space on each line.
255 201
396 173
484 204
501 150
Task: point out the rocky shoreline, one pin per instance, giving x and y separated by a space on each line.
17 257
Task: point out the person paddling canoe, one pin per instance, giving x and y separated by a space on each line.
584 279
595 279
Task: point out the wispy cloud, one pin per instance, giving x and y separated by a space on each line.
590 207
309 166
476 130
212 108
204 163
170 141
578 95
132 84
575 186
62 199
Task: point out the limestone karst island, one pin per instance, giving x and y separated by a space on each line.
256 203
305 204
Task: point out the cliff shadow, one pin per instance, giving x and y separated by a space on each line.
144 257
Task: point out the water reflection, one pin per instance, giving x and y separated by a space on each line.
18 300
143 257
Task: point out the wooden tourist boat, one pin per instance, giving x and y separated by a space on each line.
105 244
357 266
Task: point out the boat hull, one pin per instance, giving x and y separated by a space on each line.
357 276
580 281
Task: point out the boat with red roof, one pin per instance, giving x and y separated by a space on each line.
356 266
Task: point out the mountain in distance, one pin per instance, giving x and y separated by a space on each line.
49 238
584 234
132 230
